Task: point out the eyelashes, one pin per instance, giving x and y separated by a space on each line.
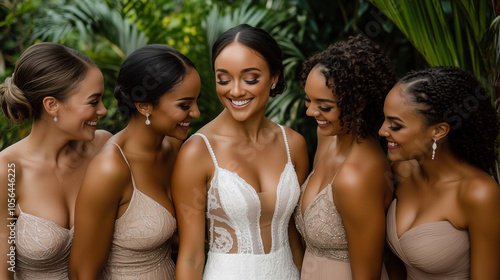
394 128
250 82
321 108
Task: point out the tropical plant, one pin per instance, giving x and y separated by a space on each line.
460 33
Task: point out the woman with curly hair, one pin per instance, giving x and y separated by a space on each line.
341 212
442 134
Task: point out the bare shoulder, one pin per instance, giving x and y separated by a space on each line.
193 147
194 155
293 137
296 142
109 169
479 191
364 174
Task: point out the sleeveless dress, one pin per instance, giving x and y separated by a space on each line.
327 255
141 248
42 248
435 250
234 213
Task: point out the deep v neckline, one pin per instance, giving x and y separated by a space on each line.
246 184
308 206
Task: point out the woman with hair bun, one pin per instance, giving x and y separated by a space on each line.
442 133
60 89
238 178
124 217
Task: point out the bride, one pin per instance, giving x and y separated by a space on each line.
240 175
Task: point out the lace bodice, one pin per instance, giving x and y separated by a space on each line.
140 248
321 226
235 213
42 248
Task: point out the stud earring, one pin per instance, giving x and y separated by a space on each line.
273 86
56 119
434 147
148 122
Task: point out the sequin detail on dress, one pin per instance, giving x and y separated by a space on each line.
321 226
42 248
141 247
234 213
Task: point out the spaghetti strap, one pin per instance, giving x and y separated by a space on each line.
126 161
121 151
286 143
209 147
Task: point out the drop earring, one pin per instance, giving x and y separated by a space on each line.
148 122
56 119
273 86
434 147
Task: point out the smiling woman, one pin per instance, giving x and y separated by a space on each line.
345 86
124 217
442 132
61 90
240 174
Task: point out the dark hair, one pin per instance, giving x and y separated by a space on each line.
260 41
148 73
360 75
44 69
451 95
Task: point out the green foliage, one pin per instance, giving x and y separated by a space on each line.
451 33
108 30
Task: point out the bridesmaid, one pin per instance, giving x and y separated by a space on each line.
341 212
124 217
60 90
442 133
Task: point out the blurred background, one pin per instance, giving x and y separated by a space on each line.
414 34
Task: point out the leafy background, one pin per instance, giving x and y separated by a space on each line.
414 34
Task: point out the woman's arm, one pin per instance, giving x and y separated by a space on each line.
96 210
481 206
189 192
359 192
300 159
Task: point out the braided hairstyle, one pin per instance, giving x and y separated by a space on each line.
43 70
147 74
261 42
360 75
451 95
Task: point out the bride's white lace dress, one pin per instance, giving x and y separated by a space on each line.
234 216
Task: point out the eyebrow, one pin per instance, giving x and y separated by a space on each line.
322 99
326 100
97 94
242 71
187 98
395 119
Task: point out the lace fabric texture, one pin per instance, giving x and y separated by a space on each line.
234 213
321 226
327 255
42 248
435 250
141 248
